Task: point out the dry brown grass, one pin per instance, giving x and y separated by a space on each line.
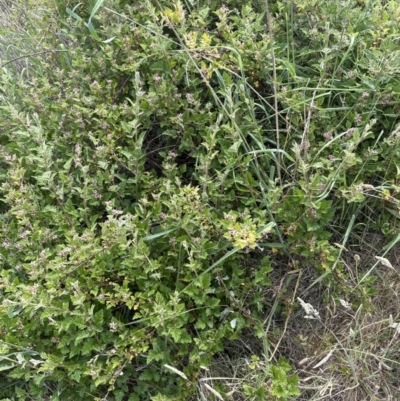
363 350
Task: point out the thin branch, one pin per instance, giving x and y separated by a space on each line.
30 55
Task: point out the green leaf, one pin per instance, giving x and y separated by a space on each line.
98 318
157 235
95 9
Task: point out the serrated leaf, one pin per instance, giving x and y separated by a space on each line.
81 336
98 317
35 362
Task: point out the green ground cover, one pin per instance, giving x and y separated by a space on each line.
199 200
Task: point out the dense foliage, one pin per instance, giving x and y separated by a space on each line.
149 185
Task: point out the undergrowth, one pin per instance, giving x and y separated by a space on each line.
199 200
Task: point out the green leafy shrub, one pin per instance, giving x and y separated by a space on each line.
121 251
